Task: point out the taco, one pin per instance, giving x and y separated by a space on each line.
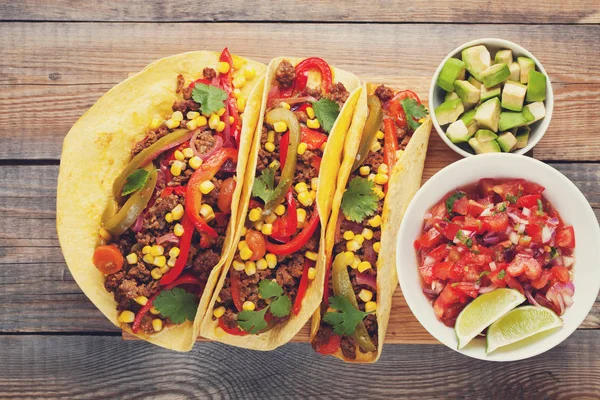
384 154
149 186
274 278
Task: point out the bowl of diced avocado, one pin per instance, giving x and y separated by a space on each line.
491 96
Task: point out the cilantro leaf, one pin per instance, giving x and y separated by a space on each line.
268 288
501 274
252 321
359 200
210 98
540 205
136 180
511 199
326 112
345 321
481 275
281 306
553 253
414 112
177 305
452 199
263 185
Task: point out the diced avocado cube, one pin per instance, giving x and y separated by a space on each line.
449 111
450 96
474 82
495 75
507 141
536 87
488 114
485 147
509 120
528 115
504 57
483 135
469 119
522 137
513 96
477 59
487 94
468 93
457 132
452 70
515 72
536 109
526 64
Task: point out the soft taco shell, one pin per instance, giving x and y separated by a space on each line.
404 181
332 155
97 149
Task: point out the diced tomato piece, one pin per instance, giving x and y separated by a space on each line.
513 283
451 230
475 208
439 253
496 223
471 273
439 210
473 224
513 188
461 206
448 296
532 188
486 186
561 273
426 273
524 264
453 255
533 229
430 238
566 237
442 270
529 201
467 288
542 281
498 282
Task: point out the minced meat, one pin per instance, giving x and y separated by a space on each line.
285 74
180 83
185 105
151 138
384 93
209 73
204 141
338 93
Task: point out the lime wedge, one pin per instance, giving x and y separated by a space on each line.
484 310
519 324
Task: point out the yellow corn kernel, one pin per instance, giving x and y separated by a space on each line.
370 306
302 148
238 62
172 261
231 120
192 115
249 72
242 245
157 250
213 121
223 67
177 115
355 262
312 273
285 105
239 81
275 165
188 152
206 187
313 194
271 218
195 162
270 147
271 260
221 111
359 238
207 212
169 217
238 265
201 120
381 179
244 231
155 123
245 253
157 324
280 126
146 249
380 193
248 306
301 187
383 169
301 216
132 258
179 155
220 126
311 255
156 274
148 259
236 93
160 261
305 199
141 300
375 221
367 233
379 135
164 269
365 295
377 246
376 146
177 212
313 123
348 235
191 125
271 136
364 170
267 229
258 225
314 183
371 177
261 264
352 245
177 167
280 209
348 257
250 268
218 312
255 214
178 229
126 317
241 103
310 112
172 123
363 266
154 311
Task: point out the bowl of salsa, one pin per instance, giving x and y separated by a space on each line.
493 222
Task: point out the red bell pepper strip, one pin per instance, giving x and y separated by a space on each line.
312 63
313 139
284 143
390 143
193 198
315 162
285 226
234 278
178 190
197 81
330 347
232 331
302 287
300 240
185 242
227 85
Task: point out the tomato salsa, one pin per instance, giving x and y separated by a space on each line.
492 234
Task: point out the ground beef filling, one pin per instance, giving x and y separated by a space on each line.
285 74
338 93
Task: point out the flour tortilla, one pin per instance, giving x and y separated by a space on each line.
404 181
332 157
97 149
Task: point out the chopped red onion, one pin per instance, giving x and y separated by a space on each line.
487 289
486 213
521 228
437 286
493 266
568 261
366 279
553 221
518 219
137 225
513 237
168 237
491 239
205 156
429 261
526 212
547 233
530 298
274 102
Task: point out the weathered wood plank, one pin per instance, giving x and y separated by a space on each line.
107 367
495 11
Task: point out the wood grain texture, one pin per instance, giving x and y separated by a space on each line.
494 11
107 367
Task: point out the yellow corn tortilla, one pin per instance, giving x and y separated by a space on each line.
404 181
332 157
97 149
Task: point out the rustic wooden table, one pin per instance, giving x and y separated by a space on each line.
59 56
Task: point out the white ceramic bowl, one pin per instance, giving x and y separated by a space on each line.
562 194
436 94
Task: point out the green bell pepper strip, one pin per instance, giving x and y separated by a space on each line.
287 174
342 286
118 223
372 125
